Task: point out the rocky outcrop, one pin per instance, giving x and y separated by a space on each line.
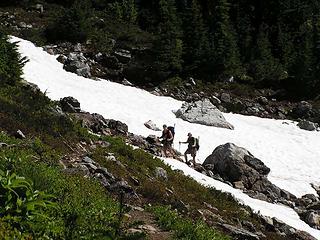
70 105
98 124
307 125
203 112
239 167
90 168
77 63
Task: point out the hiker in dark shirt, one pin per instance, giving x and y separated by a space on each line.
192 149
167 140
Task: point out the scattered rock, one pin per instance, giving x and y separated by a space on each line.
19 134
239 233
313 219
225 97
151 125
124 56
161 173
203 112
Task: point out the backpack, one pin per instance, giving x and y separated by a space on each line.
171 129
197 144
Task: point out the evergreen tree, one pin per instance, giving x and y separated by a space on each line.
265 68
168 46
195 40
225 55
125 10
11 62
302 70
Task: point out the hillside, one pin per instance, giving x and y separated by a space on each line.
79 161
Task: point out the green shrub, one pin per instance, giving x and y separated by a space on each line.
73 25
183 228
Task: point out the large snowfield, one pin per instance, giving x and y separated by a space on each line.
292 154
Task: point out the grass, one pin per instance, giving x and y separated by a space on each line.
185 229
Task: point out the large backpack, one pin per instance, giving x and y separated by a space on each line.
197 144
171 129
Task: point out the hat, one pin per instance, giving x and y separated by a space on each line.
189 134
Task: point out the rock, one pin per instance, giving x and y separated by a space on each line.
77 48
301 235
117 127
62 59
314 206
39 7
238 185
148 228
263 100
3 144
231 163
77 63
237 165
124 56
126 83
161 173
225 97
302 110
102 179
19 134
215 101
109 61
239 233
151 125
98 124
203 112
86 159
307 125
31 86
121 186
313 219
106 174
70 105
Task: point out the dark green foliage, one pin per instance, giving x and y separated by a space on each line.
225 61
168 46
183 228
10 61
264 67
124 10
195 38
73 25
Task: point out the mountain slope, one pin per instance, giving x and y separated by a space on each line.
290 152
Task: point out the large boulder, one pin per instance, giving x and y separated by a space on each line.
203 112
238 166
235 164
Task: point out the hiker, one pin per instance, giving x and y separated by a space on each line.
192 149
167 140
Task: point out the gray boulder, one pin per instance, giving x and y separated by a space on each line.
307 125
203 112
151 125
77 63
238 166
70 104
